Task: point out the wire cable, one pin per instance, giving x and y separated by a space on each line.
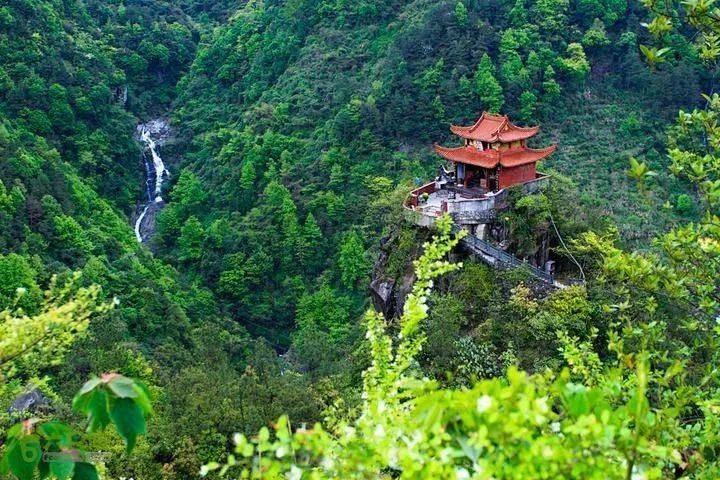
557 232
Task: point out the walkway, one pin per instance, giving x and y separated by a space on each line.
497 258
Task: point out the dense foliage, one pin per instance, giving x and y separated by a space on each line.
298 128
641 413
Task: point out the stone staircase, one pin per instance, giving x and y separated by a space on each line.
497 258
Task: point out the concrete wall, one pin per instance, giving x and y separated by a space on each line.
466 211
471 205
412 200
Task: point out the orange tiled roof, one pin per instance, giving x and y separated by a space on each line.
494 128
491 158
469 155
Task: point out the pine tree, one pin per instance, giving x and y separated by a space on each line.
312 248
284 240
248 175
487 86
465 97
291 232
528 103
352 261
513 71
461 14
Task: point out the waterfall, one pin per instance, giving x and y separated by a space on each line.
151 135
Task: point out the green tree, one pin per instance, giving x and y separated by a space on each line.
352 261
188 193
245 281
528 104
248 178
640 172
168 223
518 13
685 205
235 280
44 336
534 64
443 327
551 88
312 253
71 237
327 311
438 108
323 327
513 71
10 202
429 79
461 14
596 36
60 113
192 240
487 86
575 64
17 283
552 14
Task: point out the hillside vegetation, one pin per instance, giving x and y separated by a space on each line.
299 127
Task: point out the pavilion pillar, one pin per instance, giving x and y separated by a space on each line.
460 172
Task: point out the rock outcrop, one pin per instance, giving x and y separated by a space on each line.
389 289
32 401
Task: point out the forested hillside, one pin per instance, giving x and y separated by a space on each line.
70 174
298 129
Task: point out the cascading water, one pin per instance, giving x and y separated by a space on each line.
152 134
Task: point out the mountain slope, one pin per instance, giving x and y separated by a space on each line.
339 102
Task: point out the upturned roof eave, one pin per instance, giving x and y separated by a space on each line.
492 158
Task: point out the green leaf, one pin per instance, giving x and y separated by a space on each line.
4 467
62 470
24 456
14 430
89 385
128 419
123 387
44 470
80 402
143 398
205 469
97 411
56 434
653 55
85 471
578 404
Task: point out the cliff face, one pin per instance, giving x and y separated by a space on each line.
393 272
389 294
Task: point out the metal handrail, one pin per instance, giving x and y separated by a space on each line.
503 256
